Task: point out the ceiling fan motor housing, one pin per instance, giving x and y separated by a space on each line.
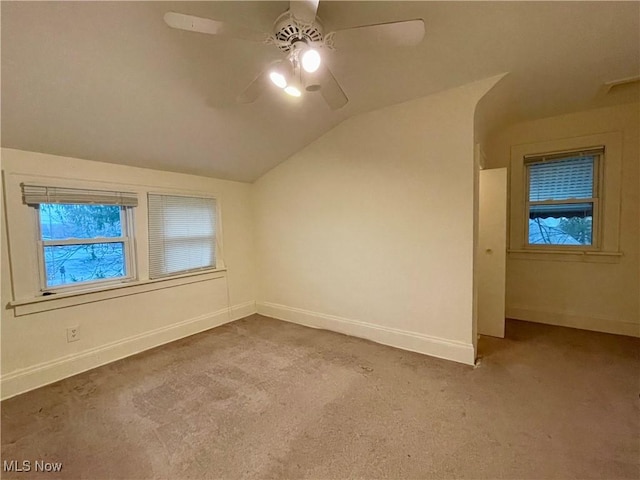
287 30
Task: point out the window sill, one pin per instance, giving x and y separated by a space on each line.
69 299
566 255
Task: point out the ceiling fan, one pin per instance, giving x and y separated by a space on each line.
299 34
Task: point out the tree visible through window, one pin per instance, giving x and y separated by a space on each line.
84 234
562 200
82 243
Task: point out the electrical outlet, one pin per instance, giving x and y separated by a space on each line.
73 334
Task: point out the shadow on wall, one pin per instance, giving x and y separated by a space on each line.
493 110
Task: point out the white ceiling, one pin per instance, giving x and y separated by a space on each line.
109 81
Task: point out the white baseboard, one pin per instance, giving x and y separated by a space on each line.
595 324
412 341
36 376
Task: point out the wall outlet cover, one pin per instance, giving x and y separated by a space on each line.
73 334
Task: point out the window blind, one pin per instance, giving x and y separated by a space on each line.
37 194
557 210
562 179
182 234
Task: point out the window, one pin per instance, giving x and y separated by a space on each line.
561 233
182 234
562 198
84 236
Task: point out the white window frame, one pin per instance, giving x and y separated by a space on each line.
23 285
127 227
609 199
598 152
217 236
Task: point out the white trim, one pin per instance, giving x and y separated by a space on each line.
82 241
106 292
574 320
571 252
70 181
552 156
610 176
565 255
593 200
36 376
24 258
607 86
405 340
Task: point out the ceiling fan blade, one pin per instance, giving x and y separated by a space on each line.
330 89
255 88
395 34
304 10
211 27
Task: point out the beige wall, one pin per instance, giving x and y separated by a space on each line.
369 230
597 293
34 346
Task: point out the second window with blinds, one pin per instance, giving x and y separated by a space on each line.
182 234
562 201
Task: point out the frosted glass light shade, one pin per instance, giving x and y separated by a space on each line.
311 60
278 79
293 91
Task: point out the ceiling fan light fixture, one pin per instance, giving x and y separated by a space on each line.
278 79
312 82
293 91
311 60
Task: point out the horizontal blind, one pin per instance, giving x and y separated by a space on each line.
562 179
182 234
558 210
37 194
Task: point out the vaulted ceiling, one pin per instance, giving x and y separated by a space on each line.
110 81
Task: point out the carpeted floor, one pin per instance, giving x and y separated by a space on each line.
260 398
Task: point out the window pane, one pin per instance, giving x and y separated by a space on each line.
64 221
69 264
563 224
561 179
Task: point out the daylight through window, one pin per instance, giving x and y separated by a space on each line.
562 200
84 235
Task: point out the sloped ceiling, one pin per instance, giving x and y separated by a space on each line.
109 81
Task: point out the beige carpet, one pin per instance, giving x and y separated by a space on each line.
260 398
